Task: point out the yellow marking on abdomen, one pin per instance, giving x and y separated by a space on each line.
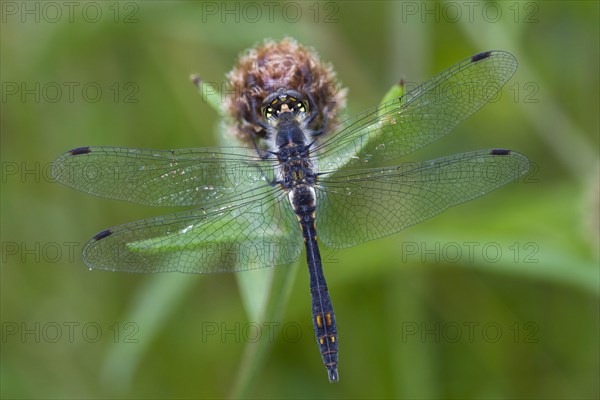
322 341
319 321
328 319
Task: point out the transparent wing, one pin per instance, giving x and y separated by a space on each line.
185 177
258 230
420 117
355 206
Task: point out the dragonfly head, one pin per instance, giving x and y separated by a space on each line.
281 102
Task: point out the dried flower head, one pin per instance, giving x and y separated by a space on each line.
271 66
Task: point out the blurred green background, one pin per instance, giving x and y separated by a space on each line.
432 312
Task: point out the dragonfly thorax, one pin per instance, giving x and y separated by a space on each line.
289 131
295 166
293 153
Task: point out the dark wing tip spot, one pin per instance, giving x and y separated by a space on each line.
500 152
105 233
481 56
80 150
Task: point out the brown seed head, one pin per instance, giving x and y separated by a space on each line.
265 69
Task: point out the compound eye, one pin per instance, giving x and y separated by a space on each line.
283 101
268 112
301 106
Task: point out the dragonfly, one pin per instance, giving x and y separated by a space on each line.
253 209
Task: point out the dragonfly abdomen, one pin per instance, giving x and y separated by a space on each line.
304 202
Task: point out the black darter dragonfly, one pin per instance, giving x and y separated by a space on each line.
255 209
